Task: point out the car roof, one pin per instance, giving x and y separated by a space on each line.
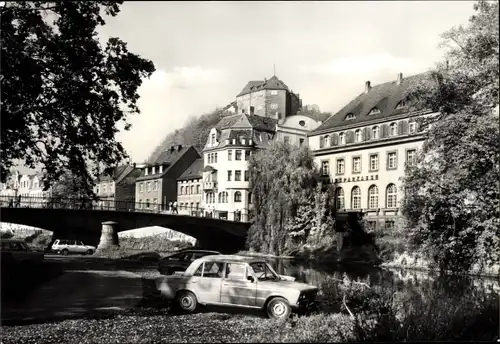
231 258
200 251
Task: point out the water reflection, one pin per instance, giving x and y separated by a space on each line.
407 282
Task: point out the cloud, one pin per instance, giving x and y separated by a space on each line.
363 65
183 78
167 99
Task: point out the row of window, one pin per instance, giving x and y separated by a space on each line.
153 170
190 190
148 186
391 197
391 162
223 197
366 134
103 187
238 154
286 139
237 176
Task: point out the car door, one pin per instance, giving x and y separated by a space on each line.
80 247
236 288
208 279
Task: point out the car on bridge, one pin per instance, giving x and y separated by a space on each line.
180 261
18 251
66 247
237 281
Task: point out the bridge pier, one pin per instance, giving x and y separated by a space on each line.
109 236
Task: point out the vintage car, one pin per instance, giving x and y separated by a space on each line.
231 280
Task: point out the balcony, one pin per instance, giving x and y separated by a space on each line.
209 186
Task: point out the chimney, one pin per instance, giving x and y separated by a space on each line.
179 147
172 148
134 165
400 78
367 87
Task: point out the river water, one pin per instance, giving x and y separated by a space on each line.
451 299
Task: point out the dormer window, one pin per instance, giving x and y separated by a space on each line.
350 116
212 139
374 111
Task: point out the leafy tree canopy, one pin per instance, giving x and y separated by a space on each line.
452 193
62 93
284 181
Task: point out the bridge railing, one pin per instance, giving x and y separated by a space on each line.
237 215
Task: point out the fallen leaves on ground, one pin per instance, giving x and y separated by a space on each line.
147 327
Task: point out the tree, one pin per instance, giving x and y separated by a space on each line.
62 94
452 193
283 180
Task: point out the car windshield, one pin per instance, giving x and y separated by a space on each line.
263 271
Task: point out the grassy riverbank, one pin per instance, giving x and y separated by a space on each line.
379 314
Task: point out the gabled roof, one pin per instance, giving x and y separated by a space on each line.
272 84
244 121
385 97
170 155
194 171
116 174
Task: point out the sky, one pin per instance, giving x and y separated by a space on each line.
205 52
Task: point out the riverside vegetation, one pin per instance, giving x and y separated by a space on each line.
451 200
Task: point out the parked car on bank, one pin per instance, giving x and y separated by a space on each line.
18 251
231 280
180 261
66 247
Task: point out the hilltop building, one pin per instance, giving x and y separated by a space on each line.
268 98
363 150
266 112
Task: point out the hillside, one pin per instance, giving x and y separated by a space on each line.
196 130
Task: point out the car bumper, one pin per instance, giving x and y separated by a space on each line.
305 306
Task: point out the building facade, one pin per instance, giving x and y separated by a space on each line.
116 187
268 98
363 150
190 190
157 184
267 112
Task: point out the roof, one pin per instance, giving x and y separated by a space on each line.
231 258
168 159
272 84
170 155
245 121
194 171
118 173
385 97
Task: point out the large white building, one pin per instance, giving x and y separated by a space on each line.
225 180
363 150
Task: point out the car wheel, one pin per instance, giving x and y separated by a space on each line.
186 301
64 252
278 308
90 252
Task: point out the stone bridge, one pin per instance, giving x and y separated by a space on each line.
86 225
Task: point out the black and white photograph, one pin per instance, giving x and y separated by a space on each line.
249 171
